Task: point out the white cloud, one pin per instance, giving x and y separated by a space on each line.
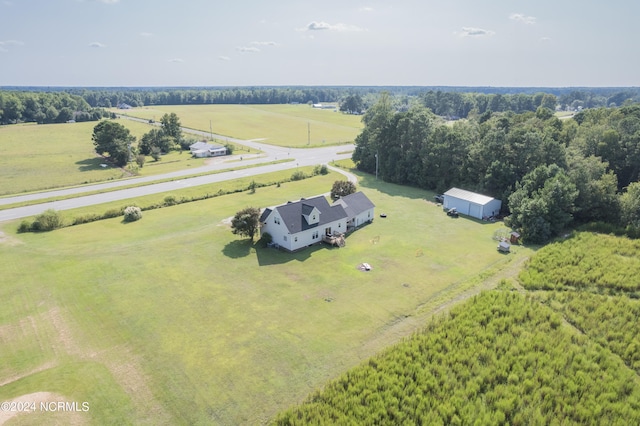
247 49
4 44
545 39
97 44
176 60
145 34
264 43
366 9
109 1
529 20
224 58
324 26
475 32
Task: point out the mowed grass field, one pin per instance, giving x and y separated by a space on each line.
283 125
39 157
175 320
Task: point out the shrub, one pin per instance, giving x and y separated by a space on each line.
342 188
170 200
25 226
321 170
298 175
132 213
140 160
47 221
112 213
266 238
91 217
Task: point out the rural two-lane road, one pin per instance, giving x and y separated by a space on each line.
301 158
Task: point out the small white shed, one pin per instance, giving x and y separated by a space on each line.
471 204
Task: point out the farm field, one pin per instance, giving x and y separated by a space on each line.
563 352
175 320
282 125
39 157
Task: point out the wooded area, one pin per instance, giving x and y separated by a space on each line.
551 174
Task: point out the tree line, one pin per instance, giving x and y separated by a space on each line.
46 107
454 102
549 173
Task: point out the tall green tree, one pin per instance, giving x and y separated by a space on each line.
246 222
543 203
630 207
597 187
156 138
352 104
171 126
114 139
369 142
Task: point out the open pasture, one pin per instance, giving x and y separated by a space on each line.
175 320
39 157
283 125
36 157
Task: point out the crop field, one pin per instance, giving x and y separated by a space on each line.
283 125
175 320
563 352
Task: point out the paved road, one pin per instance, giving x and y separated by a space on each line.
302 157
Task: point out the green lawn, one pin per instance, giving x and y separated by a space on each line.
175 320
283 125
35 157
38 157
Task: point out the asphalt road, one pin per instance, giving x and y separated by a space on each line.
302 157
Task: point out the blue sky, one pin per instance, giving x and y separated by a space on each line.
539 43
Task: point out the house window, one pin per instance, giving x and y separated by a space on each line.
369 214
285 237
315 235
295 239
314 217
276 220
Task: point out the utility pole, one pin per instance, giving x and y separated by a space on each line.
376 165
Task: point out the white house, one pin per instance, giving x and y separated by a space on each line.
358 207
306 222
471 204
203 149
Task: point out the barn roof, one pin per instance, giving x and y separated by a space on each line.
472 197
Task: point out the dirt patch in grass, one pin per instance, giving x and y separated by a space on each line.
120 361
10 241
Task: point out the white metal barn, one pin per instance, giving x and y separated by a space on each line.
471 204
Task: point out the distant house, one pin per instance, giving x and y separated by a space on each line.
302 223
204 149
471 204
324 106
124 106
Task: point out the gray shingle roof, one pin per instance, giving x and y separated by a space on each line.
355 203
291 213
